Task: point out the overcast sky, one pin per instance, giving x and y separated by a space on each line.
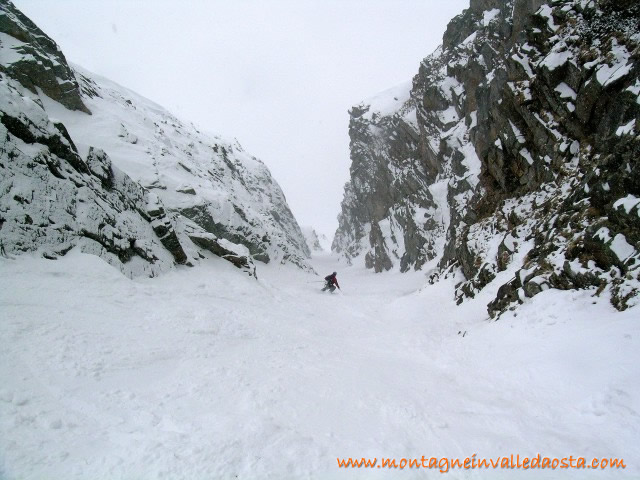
278 75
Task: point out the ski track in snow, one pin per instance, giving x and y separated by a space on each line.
206 373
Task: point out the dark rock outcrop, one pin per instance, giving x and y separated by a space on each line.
387 208
34 60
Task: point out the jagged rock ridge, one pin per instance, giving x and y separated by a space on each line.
193 194
527 125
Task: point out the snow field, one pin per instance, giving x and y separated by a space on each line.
206 373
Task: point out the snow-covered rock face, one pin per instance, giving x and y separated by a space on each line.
204 179
195 194
527 125
52 200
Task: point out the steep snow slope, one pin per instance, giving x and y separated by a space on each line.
525 146
206 373
191 194
209 181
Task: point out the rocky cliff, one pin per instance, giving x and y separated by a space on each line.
34 60
119 175
51 199
388 206
521 166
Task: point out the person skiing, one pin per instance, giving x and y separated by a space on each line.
332 282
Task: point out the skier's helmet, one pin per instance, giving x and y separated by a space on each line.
334 273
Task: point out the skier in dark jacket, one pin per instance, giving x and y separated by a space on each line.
332 282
